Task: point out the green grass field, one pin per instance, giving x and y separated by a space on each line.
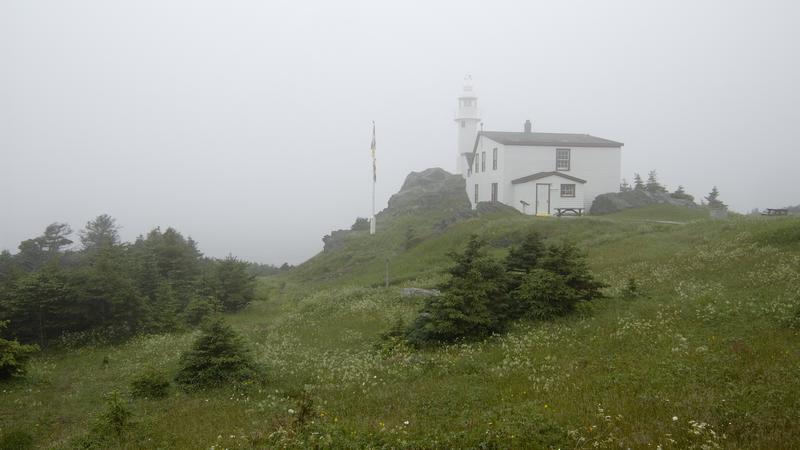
708 358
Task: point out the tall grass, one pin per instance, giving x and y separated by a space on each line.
703 359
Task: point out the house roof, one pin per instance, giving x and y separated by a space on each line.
546 139
540 175
470 157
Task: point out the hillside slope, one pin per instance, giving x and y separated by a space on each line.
708 357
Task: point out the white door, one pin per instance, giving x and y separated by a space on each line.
542 199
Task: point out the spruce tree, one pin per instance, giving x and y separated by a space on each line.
474 303
713 199
638 184
653 185
218 357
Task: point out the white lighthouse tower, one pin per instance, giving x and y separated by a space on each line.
467 122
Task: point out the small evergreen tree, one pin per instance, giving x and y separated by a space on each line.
624 186
681 194
653 185
219 356
474 303
543 295
638 184
713 199
151 383
527 255
567 261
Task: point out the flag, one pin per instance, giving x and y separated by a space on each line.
372 147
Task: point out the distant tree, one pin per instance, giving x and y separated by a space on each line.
624 186
55 237
106 292
13 356
713 199
681 194
474 303
653 185
234 288
638 184
8 267
199 310
361 224
40 306
285 266
31 255
218 357
100 232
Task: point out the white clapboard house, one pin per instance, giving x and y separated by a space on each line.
537 173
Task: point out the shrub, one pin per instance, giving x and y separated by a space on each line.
361 224
16 440
566 260
474 303
393 342
13 356
111 427
632 290
217 357
150 384
545 295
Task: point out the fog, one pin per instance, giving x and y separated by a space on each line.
246 125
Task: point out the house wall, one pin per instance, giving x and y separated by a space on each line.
489 176
527 192
599 166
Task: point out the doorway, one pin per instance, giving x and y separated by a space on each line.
542 199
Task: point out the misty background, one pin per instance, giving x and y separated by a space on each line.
246 125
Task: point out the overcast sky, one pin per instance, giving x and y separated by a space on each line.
246 124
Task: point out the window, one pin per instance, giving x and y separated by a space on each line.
477 166
467 102
483 161
463 123
494 158
476 194
562 159
568 190
494 192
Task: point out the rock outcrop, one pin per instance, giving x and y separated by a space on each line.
618 201
431 189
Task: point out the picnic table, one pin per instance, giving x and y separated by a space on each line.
571 211
775 212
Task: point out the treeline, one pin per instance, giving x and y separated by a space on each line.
654 186
110 290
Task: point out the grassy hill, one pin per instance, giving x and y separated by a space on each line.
708 358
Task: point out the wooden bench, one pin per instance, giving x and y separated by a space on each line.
569 211
775 212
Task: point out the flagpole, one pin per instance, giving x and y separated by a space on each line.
374 178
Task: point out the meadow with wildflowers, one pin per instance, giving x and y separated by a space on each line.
703 355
